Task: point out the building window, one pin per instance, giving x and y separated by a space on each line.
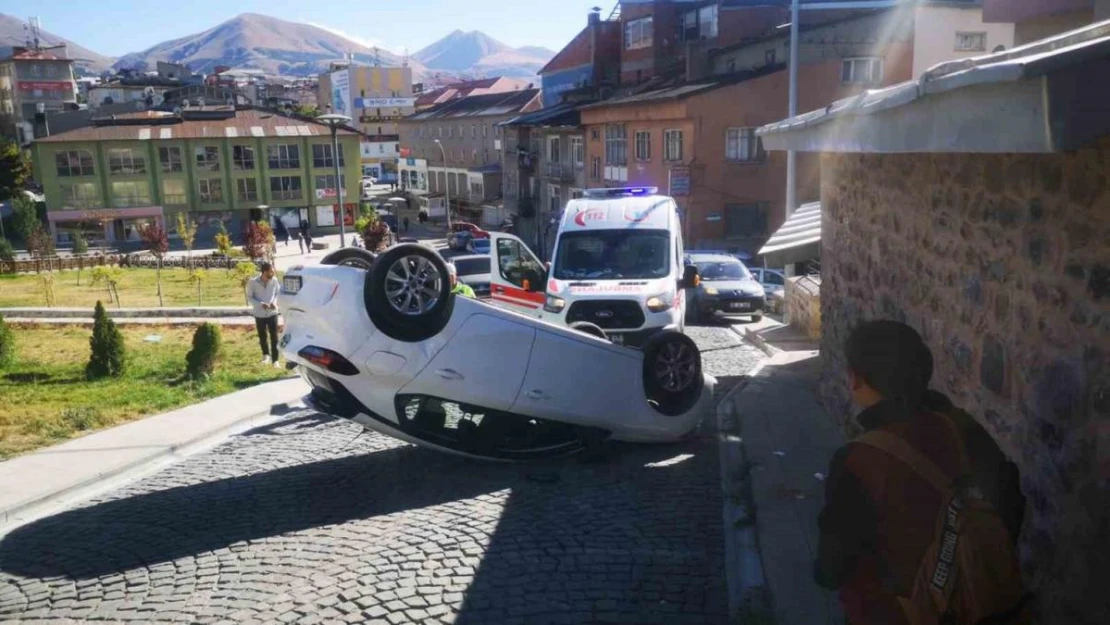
170 158
554 202
595 168
242 157
700 23
578 152
74 163
173 192
616 148
246 190
637 33
742 145
971 42
328 182
672 146
473 131
322 157
485 131
211 190
284 156
208 158
643 145
745 220
863 70
81 195
126 161
130 193
285 188
553 149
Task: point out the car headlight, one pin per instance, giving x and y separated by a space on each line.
661 302
554 304
710 291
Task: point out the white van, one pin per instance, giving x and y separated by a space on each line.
617 264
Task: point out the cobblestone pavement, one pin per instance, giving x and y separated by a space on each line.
312 520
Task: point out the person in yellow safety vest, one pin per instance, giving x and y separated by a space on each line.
458 287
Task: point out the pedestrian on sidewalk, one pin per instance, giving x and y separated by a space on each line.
889 494
405 223
262 293
308 240
300 241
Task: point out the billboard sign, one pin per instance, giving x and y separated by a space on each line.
375 103
341 92
679 181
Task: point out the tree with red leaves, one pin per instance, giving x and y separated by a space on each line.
259 242
156 242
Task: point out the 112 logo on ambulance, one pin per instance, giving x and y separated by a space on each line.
590 214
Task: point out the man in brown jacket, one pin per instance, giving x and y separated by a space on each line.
879 515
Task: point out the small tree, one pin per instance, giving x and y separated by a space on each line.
110 278
223 240
109 354
80 248
25 217
197 277
244 271
40 242
46 287
7 252
7 344
187 230
375 234
201 360
260 241
15 169
157 243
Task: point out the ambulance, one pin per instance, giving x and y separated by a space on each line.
618 265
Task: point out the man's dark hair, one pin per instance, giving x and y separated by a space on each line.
892 359
264 266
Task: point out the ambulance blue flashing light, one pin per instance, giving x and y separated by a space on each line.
614 191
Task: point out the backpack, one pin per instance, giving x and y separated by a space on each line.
969 574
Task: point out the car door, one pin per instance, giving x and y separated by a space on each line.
578 379
482 364
517 277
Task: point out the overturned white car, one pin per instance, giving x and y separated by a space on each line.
383 342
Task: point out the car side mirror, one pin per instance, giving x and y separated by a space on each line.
690 278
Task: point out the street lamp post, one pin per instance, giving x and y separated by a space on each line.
446 185
334 121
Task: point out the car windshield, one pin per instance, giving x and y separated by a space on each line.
472 266
722 270
613 255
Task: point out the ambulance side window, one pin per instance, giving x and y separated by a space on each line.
517 265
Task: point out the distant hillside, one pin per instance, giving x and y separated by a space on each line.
479 54
253 41
13 34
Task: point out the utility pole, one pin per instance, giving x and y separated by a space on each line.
791 160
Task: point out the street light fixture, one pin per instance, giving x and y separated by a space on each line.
334 121
446 185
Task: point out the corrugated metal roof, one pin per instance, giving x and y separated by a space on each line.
478 105
797 239
564 114
245 123
680 91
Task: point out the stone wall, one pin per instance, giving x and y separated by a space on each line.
803 304
1002 262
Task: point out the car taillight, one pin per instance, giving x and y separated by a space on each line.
328 359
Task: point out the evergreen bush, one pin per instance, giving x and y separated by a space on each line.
109 354
201 360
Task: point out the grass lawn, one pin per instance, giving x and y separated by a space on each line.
46 398
137 289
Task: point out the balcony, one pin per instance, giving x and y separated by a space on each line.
130 201
175 199
563 172
279 196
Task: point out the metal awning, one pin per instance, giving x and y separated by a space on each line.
797 240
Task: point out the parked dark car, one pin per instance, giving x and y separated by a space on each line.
727 289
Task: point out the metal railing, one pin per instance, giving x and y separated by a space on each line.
296 194
563 172
130 201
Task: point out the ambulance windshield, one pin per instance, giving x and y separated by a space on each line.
613 255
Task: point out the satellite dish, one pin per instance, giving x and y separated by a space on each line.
177 110
185 103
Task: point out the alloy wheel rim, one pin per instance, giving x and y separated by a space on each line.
412 285
675 366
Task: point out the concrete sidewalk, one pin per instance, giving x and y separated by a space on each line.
782 442
40 483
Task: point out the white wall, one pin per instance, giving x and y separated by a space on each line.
935 29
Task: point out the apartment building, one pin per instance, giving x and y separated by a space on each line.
1038 19
376 99
33 83
217 164
455 147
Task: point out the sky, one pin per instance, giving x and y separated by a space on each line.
117 27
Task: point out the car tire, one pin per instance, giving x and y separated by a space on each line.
351 257
384 303
589 328
672 372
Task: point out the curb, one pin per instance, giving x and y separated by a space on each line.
245 321
32 312
758 341
45 504
746 586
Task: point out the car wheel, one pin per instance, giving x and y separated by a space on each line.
589 328
350 257
672 372
408 293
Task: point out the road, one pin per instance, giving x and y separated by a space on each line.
312 520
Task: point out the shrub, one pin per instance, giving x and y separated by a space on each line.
374 235
201 360
7 344
80 244
109 354
40 242
7 252
223 240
